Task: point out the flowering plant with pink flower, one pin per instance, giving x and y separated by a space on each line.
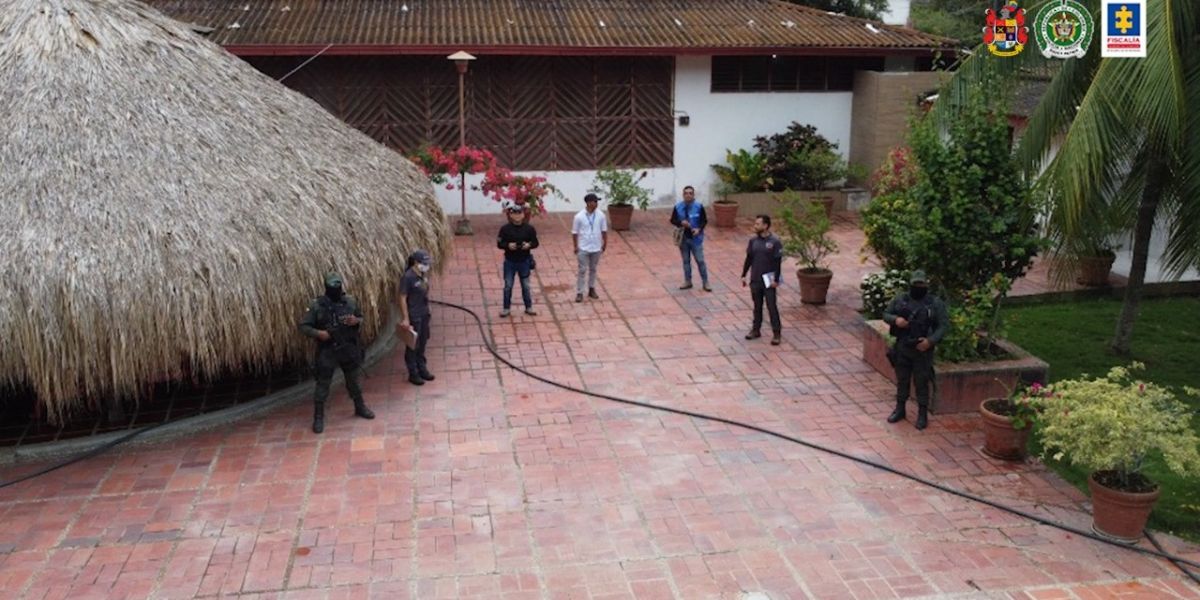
898 172
444 167
506 187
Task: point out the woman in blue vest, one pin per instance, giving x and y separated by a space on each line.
689 216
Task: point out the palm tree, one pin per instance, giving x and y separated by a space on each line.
1128 137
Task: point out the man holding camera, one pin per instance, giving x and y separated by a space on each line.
918 321
333 320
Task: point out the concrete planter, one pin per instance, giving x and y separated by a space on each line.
752 204
960 387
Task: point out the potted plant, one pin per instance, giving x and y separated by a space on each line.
1007 421
744 172
1095 258
805 233
820 168
1109 425
620 188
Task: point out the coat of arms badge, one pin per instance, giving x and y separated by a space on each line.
1005 33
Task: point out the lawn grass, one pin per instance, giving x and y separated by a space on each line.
1073 338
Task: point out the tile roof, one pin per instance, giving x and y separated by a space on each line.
537 26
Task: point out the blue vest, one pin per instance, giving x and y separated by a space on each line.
692 216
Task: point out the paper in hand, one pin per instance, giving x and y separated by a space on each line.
768 279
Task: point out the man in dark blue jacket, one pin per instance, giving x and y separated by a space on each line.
690 217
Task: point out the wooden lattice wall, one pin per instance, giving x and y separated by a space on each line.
535 113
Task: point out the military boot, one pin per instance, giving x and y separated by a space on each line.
898 414
319 417
361 410
922 416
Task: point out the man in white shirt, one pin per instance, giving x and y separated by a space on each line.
590 234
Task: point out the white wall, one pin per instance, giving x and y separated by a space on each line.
718 122
573 185
732 120
897 13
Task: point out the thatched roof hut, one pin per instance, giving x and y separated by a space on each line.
169 208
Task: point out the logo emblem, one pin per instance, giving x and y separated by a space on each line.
1005 33
1124 29
1064 30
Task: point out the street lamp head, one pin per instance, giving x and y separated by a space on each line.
461 60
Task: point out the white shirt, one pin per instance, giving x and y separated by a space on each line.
590 227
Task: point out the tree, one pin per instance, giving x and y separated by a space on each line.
1127 136
866 9
961 20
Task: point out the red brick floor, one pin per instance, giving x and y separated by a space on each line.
486 484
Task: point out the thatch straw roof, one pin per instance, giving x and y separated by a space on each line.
166 206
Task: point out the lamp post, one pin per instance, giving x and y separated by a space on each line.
461 60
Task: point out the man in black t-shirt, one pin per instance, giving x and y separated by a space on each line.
517 239
414 312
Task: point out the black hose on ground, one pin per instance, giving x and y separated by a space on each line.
1178 561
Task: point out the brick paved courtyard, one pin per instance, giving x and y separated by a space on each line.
486 484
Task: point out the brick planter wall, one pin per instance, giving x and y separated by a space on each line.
960 386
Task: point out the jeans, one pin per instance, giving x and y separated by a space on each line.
588 263
759 293
414 358
687 250
517 269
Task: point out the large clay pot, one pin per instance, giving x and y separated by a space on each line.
1000 439
620 215
1117 514
1094 270
814 285
726 214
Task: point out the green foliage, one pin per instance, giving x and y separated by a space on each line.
1113 423
1164 341
961 20
620 187
878 290
974 320
969 216
804 228
866 9
800 159
744 171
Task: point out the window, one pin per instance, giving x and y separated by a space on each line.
778 73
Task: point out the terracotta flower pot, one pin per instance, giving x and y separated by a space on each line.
1094 270
1117 514
726 214
620 215
1000 439
814 285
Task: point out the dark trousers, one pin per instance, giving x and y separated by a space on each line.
759 293
414 358
911 366
326 364
517 269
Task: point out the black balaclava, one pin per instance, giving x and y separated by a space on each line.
333 292
917 292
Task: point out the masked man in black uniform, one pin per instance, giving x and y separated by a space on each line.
918 321
333 320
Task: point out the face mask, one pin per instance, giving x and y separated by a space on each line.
333 293
917 292
422 268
